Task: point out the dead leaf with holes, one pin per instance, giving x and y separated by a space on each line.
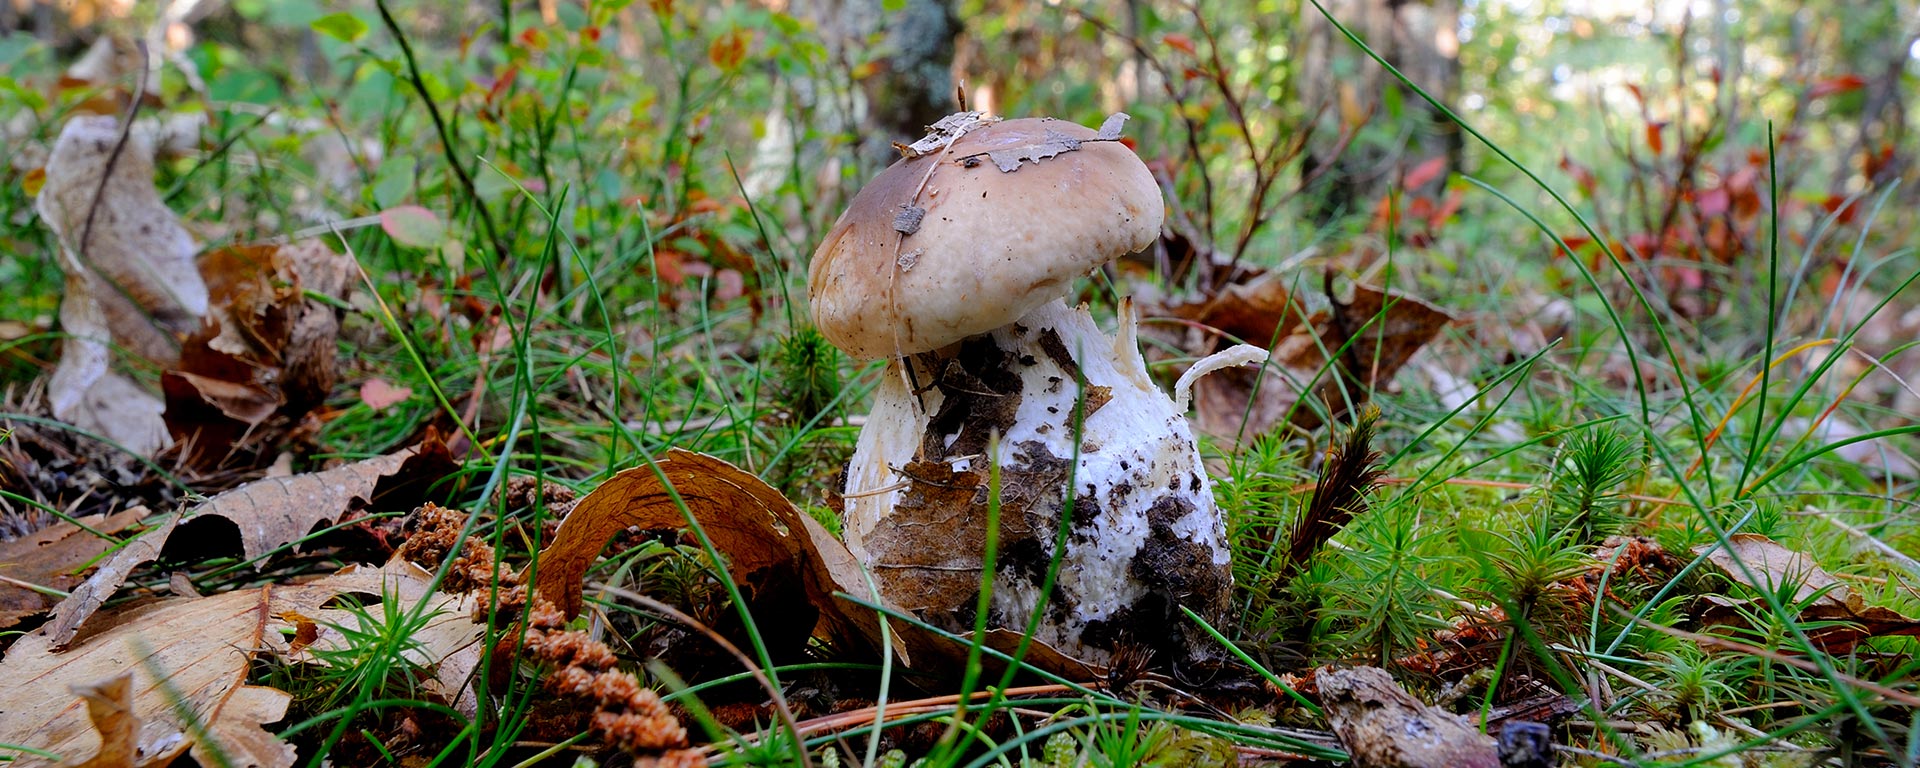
1370 335
188 659
269 513
1837 617
52 558
130 279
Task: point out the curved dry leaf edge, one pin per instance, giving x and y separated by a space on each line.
757 531
270 513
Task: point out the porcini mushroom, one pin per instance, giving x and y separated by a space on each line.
954 263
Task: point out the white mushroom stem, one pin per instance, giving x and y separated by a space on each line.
1144 534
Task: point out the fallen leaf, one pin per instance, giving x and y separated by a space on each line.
1374 333
266 355
1838 617
775 553
130 278
783 561
51 557
269 513
1051 144
944 132
110 709
1773 565
188 659
379 395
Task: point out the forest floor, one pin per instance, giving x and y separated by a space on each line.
466 410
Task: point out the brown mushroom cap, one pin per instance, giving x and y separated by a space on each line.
992 245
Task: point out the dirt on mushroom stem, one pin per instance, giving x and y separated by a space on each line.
1143 534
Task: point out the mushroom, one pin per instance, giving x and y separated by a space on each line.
954 263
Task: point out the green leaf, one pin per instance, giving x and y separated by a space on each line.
344 27
413 226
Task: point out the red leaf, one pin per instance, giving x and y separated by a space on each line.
1179 42
1576 242
1425 172
503 83
1838 84
1656 136
1637 94
1582 175
1448 207
1834 203
1386 214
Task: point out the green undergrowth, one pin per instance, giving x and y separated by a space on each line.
614 280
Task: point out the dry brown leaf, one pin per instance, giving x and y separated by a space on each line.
110 709
52 557
189 657
130 278
265 356
199 648
771 547
238 735
1825 597
1385 329
784 562
269 512
449 642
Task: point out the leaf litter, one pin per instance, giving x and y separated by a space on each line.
130 279
268 513
1370 336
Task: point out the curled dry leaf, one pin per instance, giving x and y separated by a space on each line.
52 557
265 356
785 563
191 657
269 513
130 278
1839 617
775 553
110 709
943 132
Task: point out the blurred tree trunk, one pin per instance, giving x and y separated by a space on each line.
909 84
1348 88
